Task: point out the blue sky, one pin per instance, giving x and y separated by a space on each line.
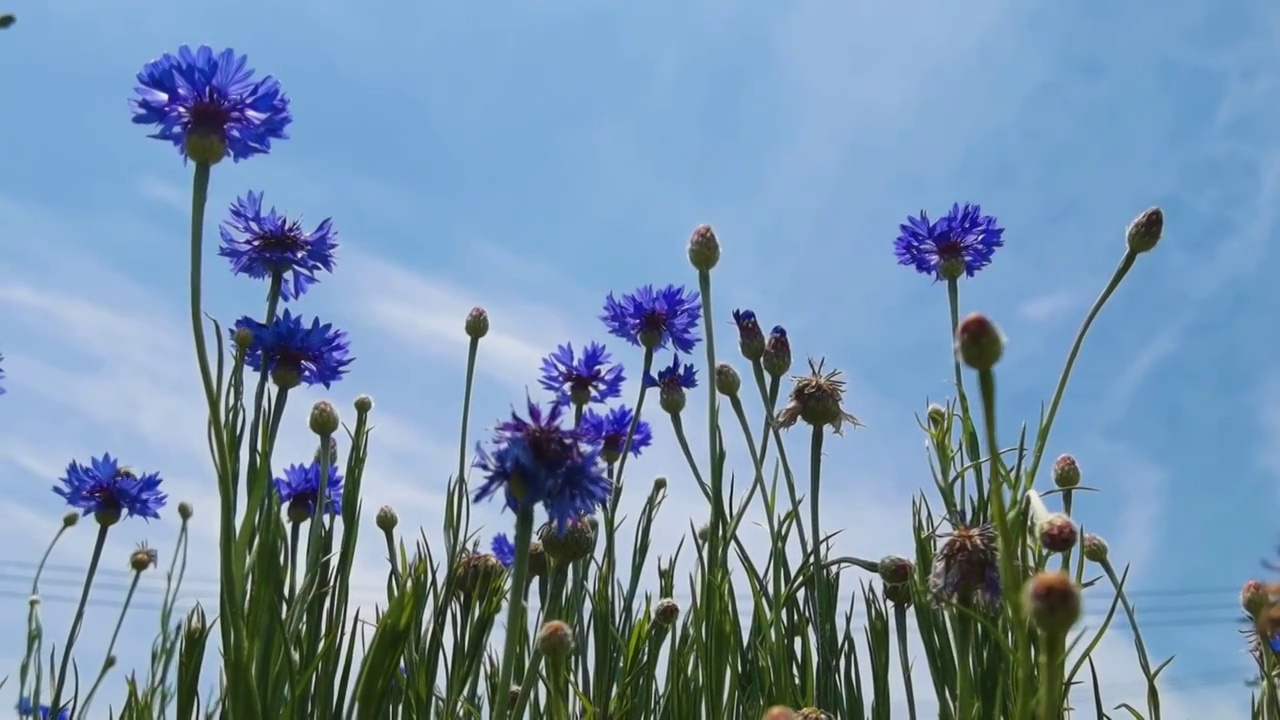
531 157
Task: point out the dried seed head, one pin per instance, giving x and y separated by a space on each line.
816 398
477 324
1057 533
964 569
979 343
142 558
1066 472
555 640
479 573
813 713
666 612
1095 548
704 248
575 543
1145 230
1053 602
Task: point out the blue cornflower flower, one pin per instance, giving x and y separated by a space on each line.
652 318
608 432
590 378
27 709
300 490
262 245
106 489
961 242
1274 643
209 105
673 376
503 549
750 336
293 352
539 461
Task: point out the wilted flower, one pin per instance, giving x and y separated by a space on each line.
299 489
777 352
961 242
503 549
294 353
964 568
816 398
653 318
672 381
593 377
538 461
608 432
209 106
264 245
106 489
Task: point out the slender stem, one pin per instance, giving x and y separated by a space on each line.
515 610
1053 659
968 439
1144 660
33 633
963 628
557 688
295 533
704 292
900 623
200 198
472 352
645 369
818 576
99 544
82 709
677 426
1042 439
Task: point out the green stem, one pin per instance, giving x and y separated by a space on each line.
33 633
963 627
1052 666
472 352
294 540
1144 660
200 198
818 575
82 709
968 433
558 688
515 610
74 634
900 622
1042 439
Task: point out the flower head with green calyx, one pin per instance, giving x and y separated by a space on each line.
704 248
965 568
537 460
209 106
750 336
478 572
1056 532
777 352
817 398
294 353
579 380
960 243
1095 548
672 382
655 318
266 245
728 382
386 519
477 323
299 491
575 542
143 558
607 432
110 491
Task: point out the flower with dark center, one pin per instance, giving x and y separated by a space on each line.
593 377
208 105
654 318
608 432
294 353
264 245
539 461
961 242
817 399
299 490
750 336
964 569
672 382
503 549
108 490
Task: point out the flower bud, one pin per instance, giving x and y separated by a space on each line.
750 337
478 573
978 342
185 511
1144 232
364 404
666 612
937 416
777 353
243 338
1053 602
704 248
727 380
555 640
575 543
477 324
895 570
1254 598
513 695
779 712
109 662
1057 533
195 625
898 593
7 20
1095 548
1066 472
70 519
659 484
537 559
386 519
324 419
671 398
142 558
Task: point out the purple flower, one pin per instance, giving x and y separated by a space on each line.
578 381
299 490
107 490
608 432
653 318
960 243
675 375
504 550
293 352
264 245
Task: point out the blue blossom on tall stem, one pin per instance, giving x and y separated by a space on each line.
299 491
539 461
294 353
961 242
676 374
750 336
608 432
108 490
653 318
208 105
592 377
28 710
265 244
503 549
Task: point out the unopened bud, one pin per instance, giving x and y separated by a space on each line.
1053 602
555 640
324 419
109 662
195 625
575 542
1066 472
895 570
513 695
142 558
1144 232
727 380
364 404
7 20
937 417
978 342
666 612
704 248
671 398
779 712
70 519
777 352
659 484
387 519
1057 533
750 337
477 324
185 511
243 338
537 559
1095 548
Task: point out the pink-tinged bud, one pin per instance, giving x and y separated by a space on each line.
813 713
978 342
895 570
704 248
555 640
779 712
1095 548
777 352
1053 602
477 324
1057 533
1145 230
1066 472
1254 598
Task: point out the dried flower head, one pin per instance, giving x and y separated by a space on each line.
965 568
813 713
479 573
816 398
142 558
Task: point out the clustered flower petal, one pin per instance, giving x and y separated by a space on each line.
961 242
539 461
591 377
607 432
268 244
299 490
315 355
503 549
654 318
108 490
208 105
